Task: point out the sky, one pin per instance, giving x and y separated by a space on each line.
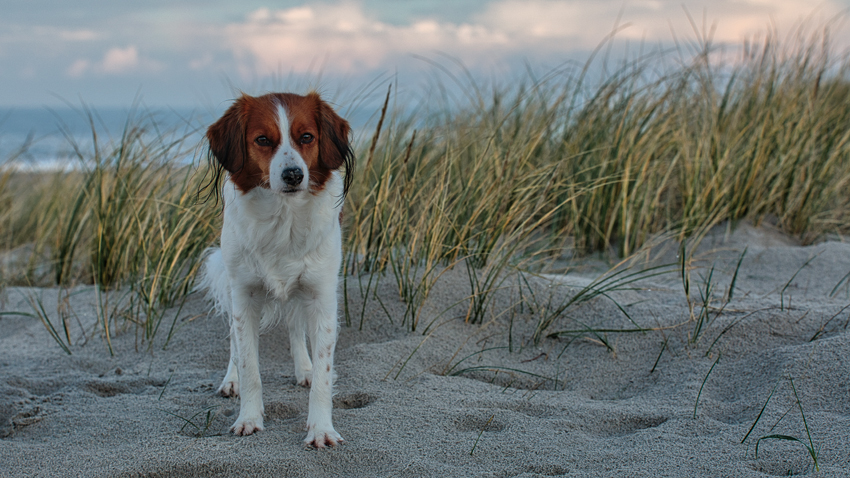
200 53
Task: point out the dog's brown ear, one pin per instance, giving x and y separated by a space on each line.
334 144
227 137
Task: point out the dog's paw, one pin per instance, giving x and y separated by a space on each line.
321 438
244 427
304 378
229 388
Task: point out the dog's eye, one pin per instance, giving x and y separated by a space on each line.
263 141
306 138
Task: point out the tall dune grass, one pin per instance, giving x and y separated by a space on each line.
614 162
123 215
505 176
496 177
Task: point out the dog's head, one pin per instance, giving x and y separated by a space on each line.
281 141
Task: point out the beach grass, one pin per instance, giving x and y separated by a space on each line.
494 178
124 216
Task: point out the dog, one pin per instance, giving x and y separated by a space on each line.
279 156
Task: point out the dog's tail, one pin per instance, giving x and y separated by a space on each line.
215 281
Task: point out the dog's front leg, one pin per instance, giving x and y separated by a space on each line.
246 327
322 323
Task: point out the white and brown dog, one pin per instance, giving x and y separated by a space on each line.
281 244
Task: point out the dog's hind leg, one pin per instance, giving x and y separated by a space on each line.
230 385
298 344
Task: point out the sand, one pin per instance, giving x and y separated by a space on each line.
564 407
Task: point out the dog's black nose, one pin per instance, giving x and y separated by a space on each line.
292 176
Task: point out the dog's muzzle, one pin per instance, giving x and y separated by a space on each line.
292 177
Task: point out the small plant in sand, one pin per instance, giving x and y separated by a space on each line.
619 279
808 444
707 288
36 303
199 423
845 281
787 284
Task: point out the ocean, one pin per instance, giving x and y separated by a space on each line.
44 138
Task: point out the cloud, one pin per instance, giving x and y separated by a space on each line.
116 61
201 62
50 33
345 37
120 60
652 20
78 68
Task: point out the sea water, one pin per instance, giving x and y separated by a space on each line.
49 138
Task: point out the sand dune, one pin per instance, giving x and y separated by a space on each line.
468 400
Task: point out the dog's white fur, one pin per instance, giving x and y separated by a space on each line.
279 260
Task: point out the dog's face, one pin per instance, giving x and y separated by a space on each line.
281 141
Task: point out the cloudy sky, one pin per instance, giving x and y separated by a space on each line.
191 53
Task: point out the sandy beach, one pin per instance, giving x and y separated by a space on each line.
466 400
